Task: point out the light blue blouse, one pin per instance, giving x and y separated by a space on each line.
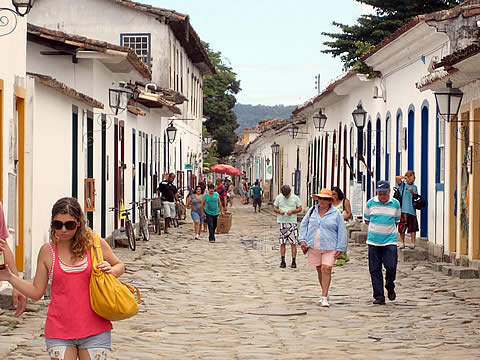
333 233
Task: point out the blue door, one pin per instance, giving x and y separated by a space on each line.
411 137
424 168
378 152
369 160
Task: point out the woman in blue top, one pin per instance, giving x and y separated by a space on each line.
211 207
324 235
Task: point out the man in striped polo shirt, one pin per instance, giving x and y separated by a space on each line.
382 215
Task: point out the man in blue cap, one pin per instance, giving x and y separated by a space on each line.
382 215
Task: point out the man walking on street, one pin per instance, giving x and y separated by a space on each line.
382 215
257 193
169 197
222 193
287 206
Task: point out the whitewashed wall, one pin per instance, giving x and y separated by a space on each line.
12 72
64 16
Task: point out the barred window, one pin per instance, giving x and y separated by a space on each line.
140 43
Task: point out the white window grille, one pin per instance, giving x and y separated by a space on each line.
140 43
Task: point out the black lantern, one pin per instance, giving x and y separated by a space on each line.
23 7
207 138
171 132
292 130
448 100
119 98
319 120
267 160
248 162
275 148
359 116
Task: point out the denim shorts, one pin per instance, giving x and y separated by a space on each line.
99 344
197 215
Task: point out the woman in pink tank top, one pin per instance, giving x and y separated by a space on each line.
72 329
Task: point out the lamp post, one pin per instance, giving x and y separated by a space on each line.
359 116
275 151
448 100
319 120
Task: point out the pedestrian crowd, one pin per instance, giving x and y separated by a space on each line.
65 261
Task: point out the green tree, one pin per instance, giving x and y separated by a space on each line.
219 91
356 40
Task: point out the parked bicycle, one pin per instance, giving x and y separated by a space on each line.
132 241
143 228
156 210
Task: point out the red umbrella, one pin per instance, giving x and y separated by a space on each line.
225 169
219 168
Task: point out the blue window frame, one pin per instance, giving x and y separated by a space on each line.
140 43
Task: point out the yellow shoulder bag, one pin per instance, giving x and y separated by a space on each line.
109 297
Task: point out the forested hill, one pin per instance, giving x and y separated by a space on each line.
249 115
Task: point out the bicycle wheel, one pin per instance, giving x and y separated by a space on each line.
157 224
144 228
130 235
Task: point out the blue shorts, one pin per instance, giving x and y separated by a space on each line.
98 345
196 216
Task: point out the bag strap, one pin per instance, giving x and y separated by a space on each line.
309 214
97 248
133 290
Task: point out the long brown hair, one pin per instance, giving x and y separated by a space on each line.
81 240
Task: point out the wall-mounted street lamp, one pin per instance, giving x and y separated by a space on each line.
8 16
207 138
171 132
319 120
267 161
119 98
292 130
23 7
448 100
359 116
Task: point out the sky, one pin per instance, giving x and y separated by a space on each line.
274 46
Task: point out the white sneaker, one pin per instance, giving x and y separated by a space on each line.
196 236
324 302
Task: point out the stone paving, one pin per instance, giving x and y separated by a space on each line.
230 300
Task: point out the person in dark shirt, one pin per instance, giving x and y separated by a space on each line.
222 193
169 197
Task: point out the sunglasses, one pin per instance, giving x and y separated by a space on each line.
69 225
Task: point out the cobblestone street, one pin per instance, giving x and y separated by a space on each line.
230 300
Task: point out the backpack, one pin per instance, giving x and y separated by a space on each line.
418 202
397 195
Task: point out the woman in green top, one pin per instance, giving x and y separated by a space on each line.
211 207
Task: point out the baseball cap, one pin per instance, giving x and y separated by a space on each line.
324 193
383 185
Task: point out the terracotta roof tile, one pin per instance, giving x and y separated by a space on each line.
457 56
466 9
185 33
82 43
66 90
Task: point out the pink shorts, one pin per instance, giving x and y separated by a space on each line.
320 257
